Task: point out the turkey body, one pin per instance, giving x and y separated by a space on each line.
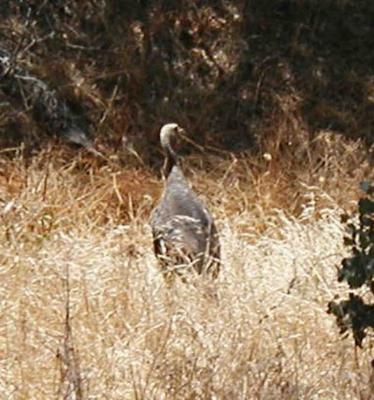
184 233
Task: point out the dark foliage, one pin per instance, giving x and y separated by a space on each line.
225 70
358 271
46 105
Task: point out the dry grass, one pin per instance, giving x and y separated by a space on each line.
260 332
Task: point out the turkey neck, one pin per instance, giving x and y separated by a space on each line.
172 159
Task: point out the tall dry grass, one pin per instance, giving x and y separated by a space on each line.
74 237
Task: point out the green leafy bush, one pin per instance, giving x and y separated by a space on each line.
357 313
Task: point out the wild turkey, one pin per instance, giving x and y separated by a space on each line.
184 233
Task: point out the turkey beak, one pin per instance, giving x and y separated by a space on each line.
181 131
183 135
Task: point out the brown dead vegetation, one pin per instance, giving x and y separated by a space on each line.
277 98
86 312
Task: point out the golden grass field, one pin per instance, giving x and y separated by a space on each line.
85 312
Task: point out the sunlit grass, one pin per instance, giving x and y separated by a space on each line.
260 332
